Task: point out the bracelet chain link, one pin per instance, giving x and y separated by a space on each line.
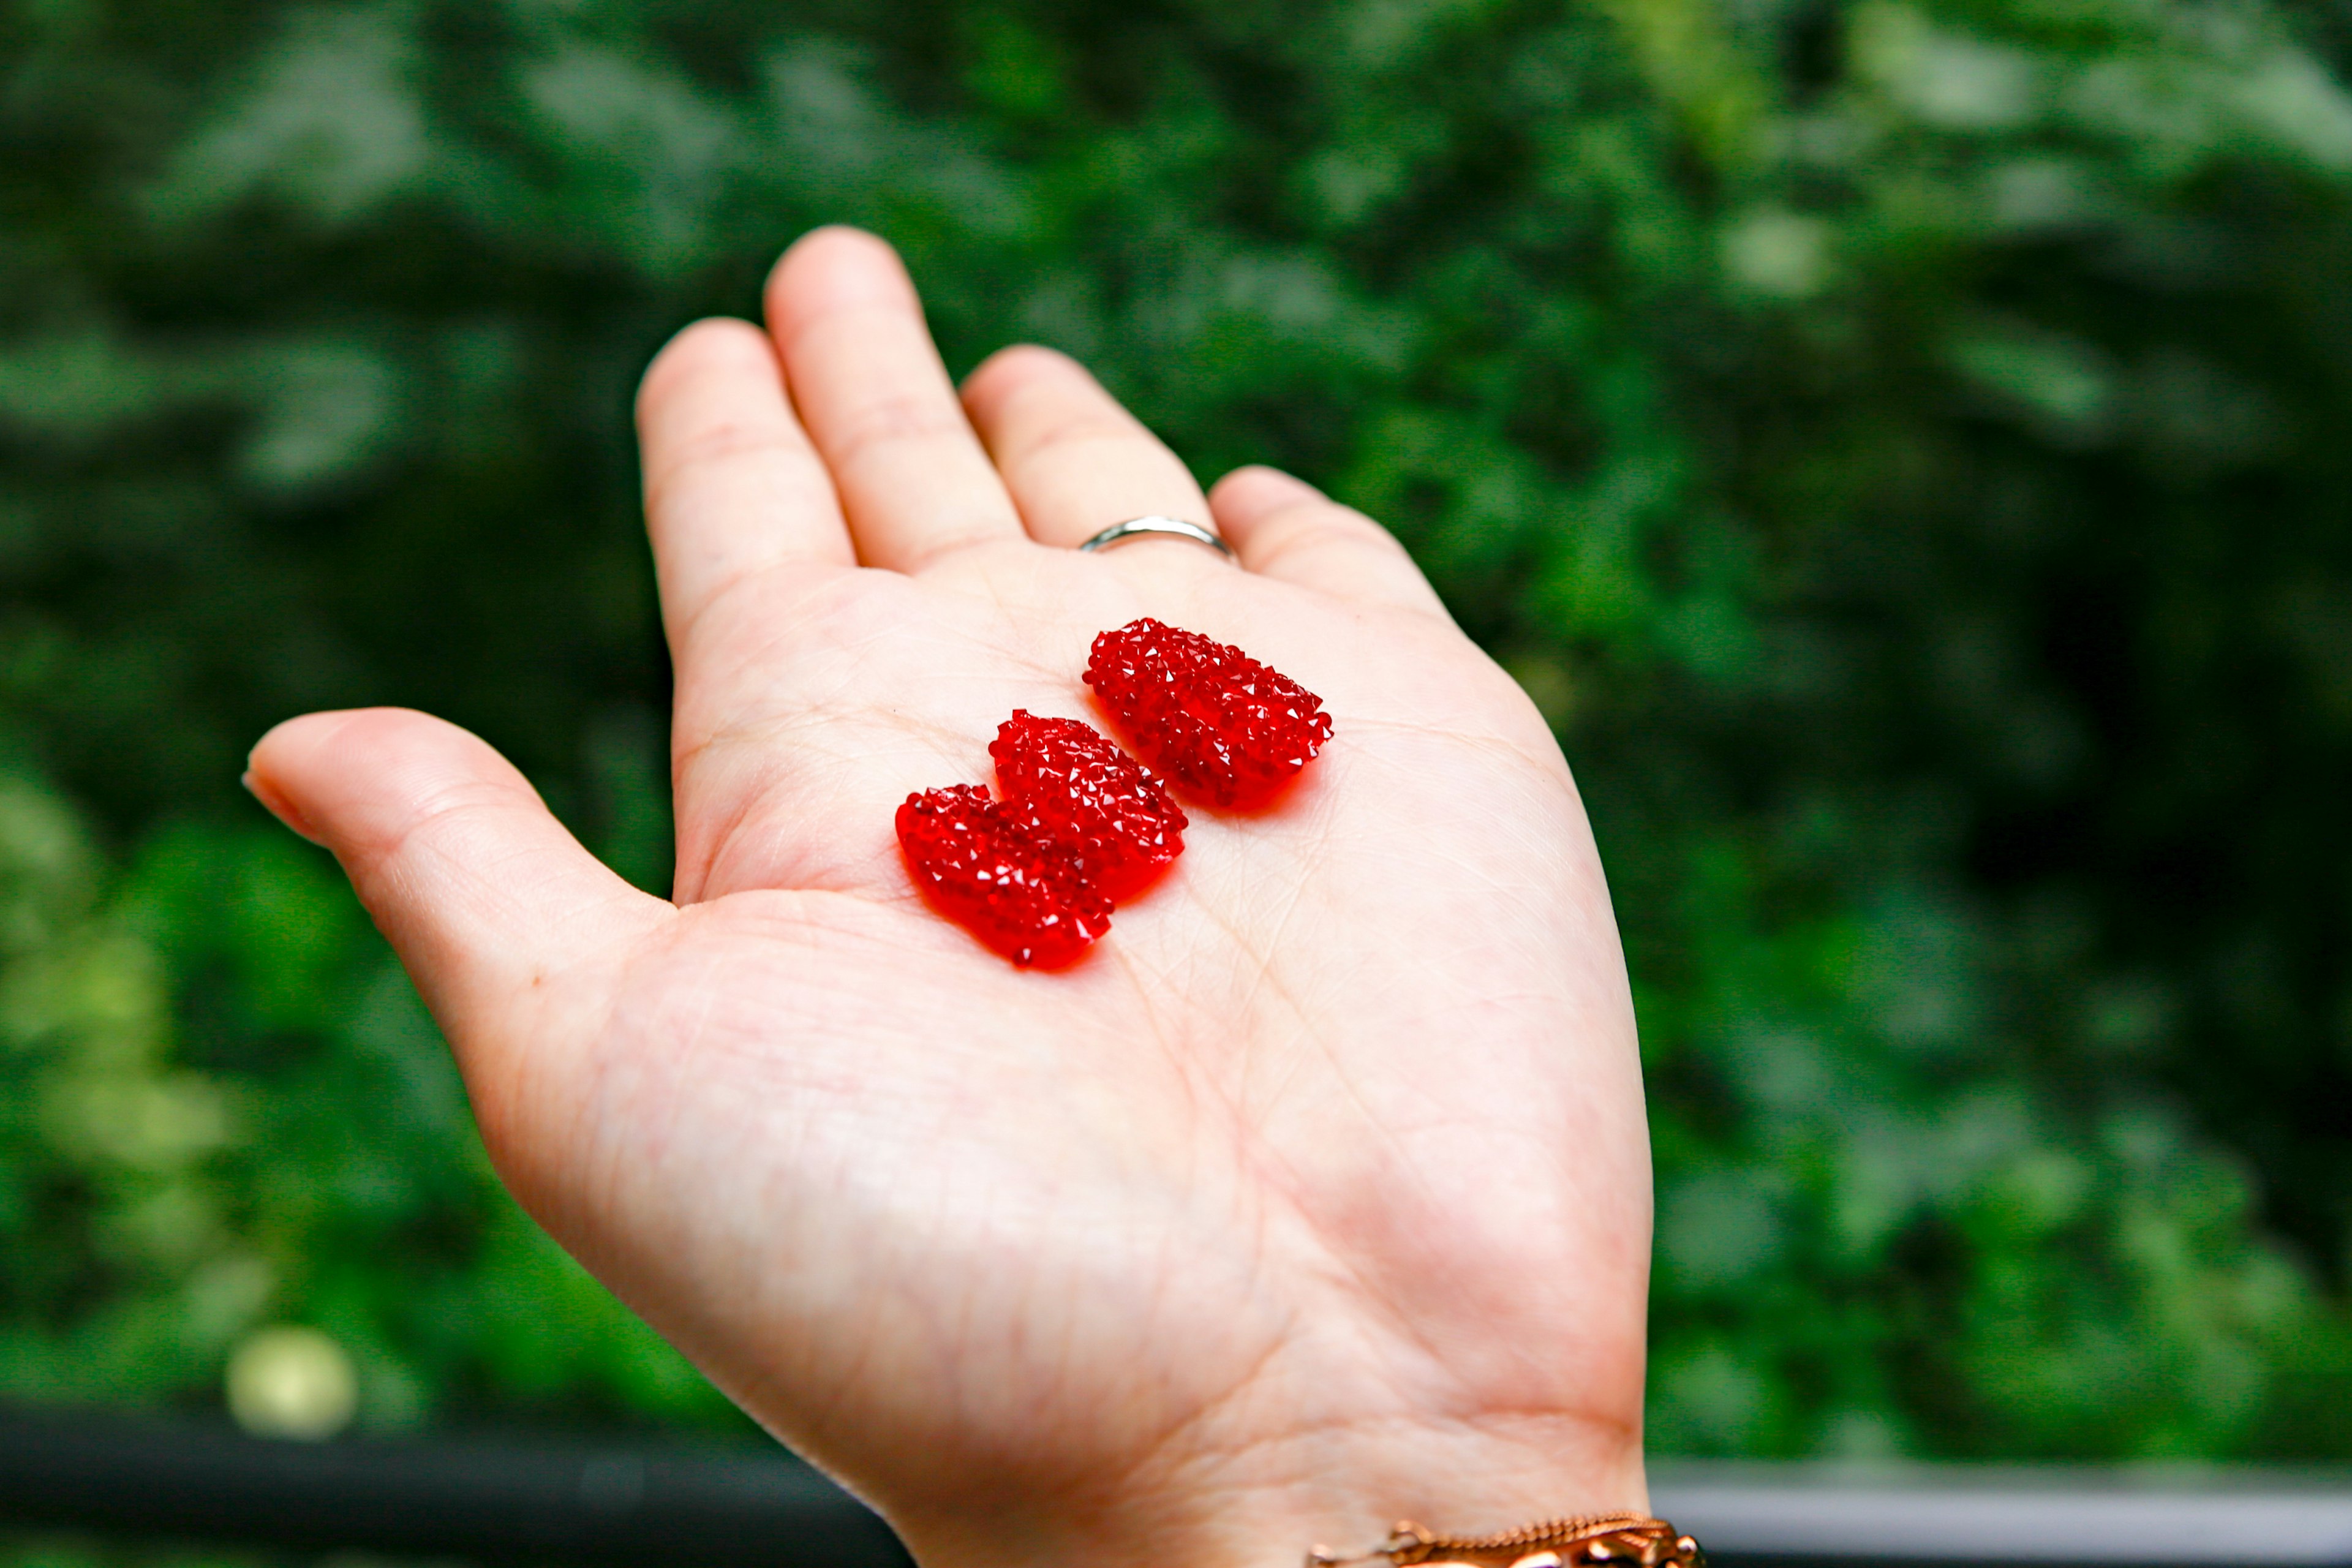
1582 1542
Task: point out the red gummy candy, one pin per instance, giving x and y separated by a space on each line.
1021 895
1218 723
1065 782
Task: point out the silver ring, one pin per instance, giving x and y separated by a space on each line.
1174 527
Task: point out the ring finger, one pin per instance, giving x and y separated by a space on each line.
1075 460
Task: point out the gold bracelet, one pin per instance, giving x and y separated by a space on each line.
1627 1537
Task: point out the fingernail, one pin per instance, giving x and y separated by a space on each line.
279 806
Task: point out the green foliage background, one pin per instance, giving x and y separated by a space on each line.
1898 442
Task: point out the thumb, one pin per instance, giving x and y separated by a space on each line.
509 928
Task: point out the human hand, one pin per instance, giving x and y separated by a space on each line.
1315 1196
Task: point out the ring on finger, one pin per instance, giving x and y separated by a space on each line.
1169 526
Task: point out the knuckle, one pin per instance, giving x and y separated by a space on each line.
729 445
895 420
954 539
1081 427
726 441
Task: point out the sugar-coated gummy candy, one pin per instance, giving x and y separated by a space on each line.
1219 725
1067 783
1023 895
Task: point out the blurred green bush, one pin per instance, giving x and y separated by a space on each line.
1898 442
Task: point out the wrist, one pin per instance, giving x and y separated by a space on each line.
1267 1504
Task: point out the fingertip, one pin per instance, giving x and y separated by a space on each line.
353 778
1003 397
278 805
292 756
836 240
1255 490
830 268
1004 374
1283 526
714 341
279 767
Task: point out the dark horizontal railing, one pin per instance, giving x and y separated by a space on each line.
1989 1515
515 1503
502 1502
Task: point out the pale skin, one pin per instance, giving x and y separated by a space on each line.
1315 1196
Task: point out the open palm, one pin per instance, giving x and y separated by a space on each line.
1317 1193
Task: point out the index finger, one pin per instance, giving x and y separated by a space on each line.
736 497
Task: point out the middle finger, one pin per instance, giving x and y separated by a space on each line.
869 384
